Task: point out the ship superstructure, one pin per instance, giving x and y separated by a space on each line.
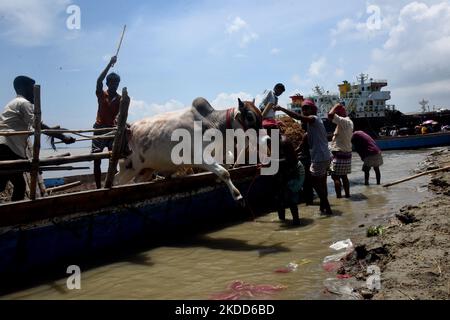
363 99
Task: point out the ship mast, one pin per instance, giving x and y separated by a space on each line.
424 104
362 78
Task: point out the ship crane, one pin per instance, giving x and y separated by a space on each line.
425 106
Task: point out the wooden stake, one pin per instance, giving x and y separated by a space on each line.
416 176
37 141
118 141
64 187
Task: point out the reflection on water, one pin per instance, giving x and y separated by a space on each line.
203 265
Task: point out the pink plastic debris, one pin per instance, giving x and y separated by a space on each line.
241 290
332 266
283 270
343 276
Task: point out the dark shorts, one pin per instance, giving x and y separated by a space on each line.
99 145
320 169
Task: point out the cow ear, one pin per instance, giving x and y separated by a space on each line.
254 101
241 105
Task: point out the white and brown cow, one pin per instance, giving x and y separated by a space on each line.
151 144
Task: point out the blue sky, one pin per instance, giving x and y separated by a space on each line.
175 51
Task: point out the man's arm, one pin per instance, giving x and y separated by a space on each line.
332 112
102 75
62 137
297 116
268 107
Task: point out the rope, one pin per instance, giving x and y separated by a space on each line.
258 168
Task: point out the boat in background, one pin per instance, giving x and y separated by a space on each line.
418 141
367 106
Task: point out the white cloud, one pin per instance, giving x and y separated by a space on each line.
230 100
296 80
339 72
364 27
241 29
317 67
31 22
415 55
240 56
140 109
247 38
275 51
236 25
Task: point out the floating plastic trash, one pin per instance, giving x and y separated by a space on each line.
238 290
293 266
343 287
336 257
344 244
304 261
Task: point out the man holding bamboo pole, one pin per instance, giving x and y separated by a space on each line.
108 108
18 115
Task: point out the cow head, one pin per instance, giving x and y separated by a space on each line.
250 115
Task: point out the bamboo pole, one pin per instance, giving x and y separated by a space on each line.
118 141
60 155
37 142
64 187
43 169
416 176
41 184
25 165
91 138
53 131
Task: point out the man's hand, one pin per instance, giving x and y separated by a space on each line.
113 60
68 140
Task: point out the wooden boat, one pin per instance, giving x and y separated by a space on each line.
54 232
62 229
414 141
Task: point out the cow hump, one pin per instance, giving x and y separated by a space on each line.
202 106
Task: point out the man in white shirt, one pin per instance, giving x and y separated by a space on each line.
341 148
268 104
18 115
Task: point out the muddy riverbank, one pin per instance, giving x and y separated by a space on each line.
412 249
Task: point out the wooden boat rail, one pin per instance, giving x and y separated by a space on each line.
36 164
31 211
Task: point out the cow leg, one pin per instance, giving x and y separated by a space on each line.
144 176
126 172
224 175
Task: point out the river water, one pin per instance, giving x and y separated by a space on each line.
206 264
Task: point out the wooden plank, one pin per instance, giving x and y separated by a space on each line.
416 176
51 131
64 187
56 168
37 142
25 212
26 164
118 140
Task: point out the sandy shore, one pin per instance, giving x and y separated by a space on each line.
413 249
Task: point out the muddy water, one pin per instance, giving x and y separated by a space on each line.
206 264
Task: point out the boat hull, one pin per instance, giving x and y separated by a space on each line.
36 235
414 142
